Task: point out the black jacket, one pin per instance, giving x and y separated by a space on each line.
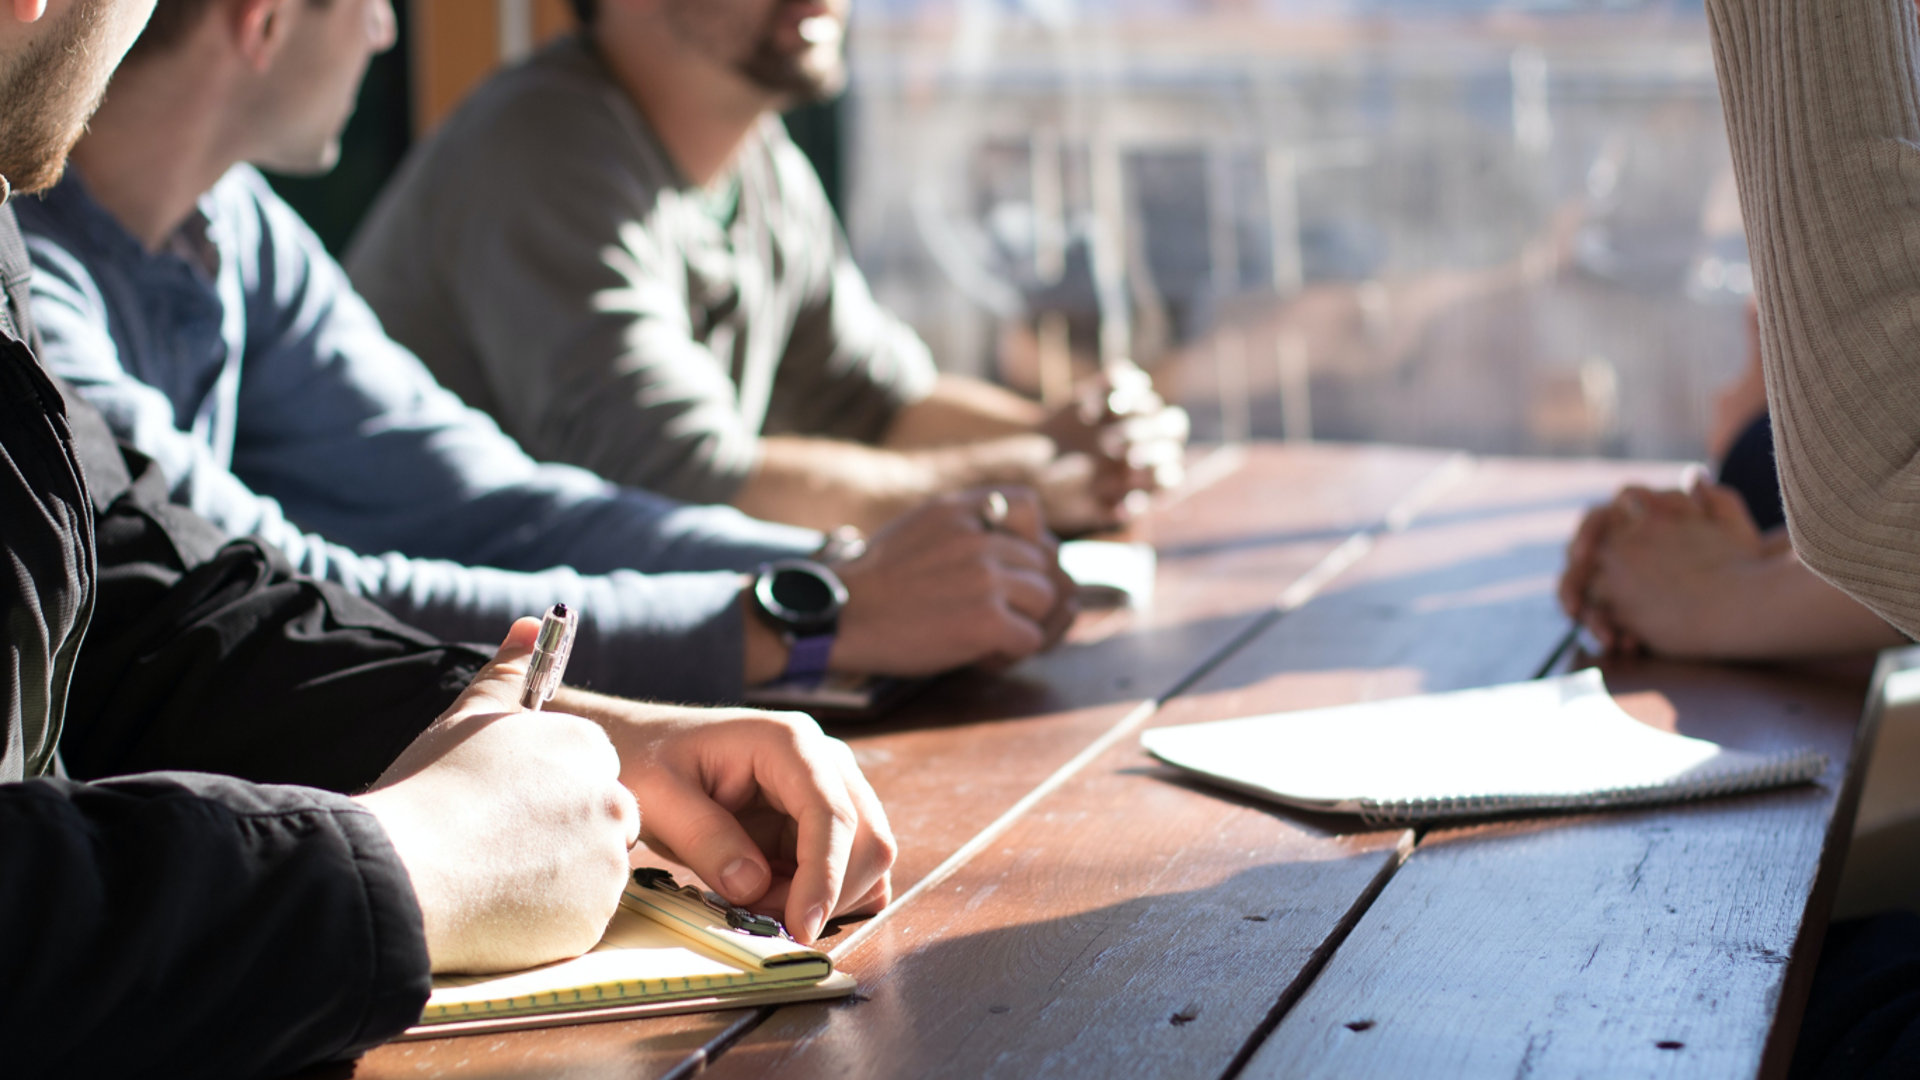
182 923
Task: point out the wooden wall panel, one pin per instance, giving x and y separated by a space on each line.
455 44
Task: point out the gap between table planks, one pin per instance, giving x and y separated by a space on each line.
956 760
1676 942
1673 942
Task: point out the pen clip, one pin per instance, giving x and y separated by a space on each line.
737 918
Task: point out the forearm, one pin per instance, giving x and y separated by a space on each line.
1825 129
825 483
962 410
490 505
1793 614
179 924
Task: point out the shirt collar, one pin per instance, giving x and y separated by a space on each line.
193 243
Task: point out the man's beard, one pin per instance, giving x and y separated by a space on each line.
46 95
811 75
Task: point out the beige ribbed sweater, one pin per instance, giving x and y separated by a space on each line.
1824 117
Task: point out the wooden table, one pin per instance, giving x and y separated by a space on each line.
1068 908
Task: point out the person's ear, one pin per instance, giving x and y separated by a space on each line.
29 10
259 29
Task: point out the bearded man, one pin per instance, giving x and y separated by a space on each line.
616 251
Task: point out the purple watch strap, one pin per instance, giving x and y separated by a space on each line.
808 658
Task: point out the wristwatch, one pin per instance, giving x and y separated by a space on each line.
801 599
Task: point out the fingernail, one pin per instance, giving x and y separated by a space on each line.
741 880
815 922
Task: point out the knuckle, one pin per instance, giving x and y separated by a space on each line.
886 849
845 818
799 723
789 729
840 748
982 581
617 805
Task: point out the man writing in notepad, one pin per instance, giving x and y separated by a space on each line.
244 916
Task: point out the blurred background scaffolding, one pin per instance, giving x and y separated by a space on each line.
1502 226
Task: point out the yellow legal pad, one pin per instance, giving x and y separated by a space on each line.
663 952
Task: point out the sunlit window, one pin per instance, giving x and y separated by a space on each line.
1504 226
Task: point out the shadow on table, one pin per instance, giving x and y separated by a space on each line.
1307 820
1161 983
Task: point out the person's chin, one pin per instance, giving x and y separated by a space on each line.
311 161
36 171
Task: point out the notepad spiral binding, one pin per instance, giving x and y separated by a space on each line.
1793 767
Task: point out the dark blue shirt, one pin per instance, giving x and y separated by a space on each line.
242 361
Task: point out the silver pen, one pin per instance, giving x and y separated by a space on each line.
549 661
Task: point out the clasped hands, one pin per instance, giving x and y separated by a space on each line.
1674 572
1116 441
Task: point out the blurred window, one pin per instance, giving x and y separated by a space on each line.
1503 226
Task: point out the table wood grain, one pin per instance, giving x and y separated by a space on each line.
1070 908
1659 942
1135 924
957 758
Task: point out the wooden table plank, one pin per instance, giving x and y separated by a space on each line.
1582 945
953 761
1133 925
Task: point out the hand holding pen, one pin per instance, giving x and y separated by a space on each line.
541 812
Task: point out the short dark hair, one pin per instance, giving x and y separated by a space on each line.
584 11
173 20
169 25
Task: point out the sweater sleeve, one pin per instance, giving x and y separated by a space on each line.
1824 121
662 636
192 633
183 925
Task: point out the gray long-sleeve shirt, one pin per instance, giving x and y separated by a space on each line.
242 361
548 262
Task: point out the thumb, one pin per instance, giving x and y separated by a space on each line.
497 687
708 838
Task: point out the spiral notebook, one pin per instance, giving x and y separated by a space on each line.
668 949
1549 744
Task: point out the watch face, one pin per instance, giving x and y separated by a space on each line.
802 595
